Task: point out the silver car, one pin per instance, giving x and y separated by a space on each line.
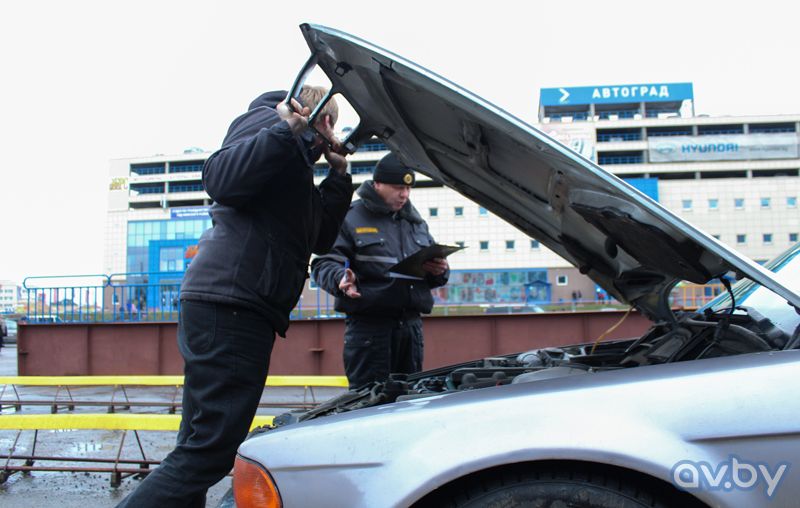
703 409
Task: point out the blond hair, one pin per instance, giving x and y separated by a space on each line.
311 95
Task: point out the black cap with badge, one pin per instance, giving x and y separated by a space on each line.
390 170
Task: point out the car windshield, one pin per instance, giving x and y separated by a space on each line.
772 306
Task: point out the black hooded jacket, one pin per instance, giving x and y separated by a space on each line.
267 216
373 238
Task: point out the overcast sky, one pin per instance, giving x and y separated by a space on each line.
84 82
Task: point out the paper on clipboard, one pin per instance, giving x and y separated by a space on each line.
411 267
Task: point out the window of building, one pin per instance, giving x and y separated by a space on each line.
534 244
617 111
740 239
716 236
322 170
361 169
713 204
738 203
686 205
186 187
765 202
562 280
668 131
175 234
482 211
171 259
459 211
373 146
148 169
767 237
460 243
792 237
433 212
145 188
771 128
510 244
484 245
791 202
604 158
186 167
714 130
709 175
615 135
772 173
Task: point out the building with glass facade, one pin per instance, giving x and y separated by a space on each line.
734 177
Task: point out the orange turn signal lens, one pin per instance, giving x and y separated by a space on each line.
253 486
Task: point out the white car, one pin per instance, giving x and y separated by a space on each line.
702 410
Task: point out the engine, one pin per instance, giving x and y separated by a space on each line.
690 336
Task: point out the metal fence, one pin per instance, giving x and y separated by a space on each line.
136 296
155 296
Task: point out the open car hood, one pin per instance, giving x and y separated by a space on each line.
627 243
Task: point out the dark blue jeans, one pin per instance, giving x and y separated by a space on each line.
226 351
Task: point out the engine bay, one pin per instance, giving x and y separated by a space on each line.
690 336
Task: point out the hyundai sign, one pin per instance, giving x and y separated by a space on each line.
730 147
615 94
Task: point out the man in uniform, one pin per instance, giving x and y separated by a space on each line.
383 327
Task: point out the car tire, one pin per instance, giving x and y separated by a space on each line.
573 486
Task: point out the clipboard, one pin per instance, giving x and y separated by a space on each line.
411 267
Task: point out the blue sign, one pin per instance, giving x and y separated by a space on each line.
647 186
191 212
615 94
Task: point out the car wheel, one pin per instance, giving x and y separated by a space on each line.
568 487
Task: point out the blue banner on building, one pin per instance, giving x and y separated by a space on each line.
615 94
647 186
192 212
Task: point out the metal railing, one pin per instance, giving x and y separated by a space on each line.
151 296
65 298
155 296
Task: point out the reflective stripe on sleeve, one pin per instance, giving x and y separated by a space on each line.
376 259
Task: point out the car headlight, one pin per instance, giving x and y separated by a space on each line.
253 486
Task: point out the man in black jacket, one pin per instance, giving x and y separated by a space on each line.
383 327
238 291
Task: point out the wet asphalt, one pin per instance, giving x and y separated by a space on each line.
91 489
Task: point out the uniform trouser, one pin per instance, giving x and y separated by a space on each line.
226 351
375 347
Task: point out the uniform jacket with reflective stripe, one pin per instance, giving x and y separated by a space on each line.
374 238
267 217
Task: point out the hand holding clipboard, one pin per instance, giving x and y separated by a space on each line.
411 267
